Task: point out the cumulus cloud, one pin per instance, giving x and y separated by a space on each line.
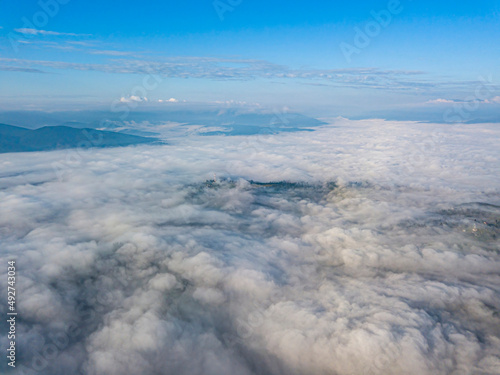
379 255
171 100
133 99
495 100
440 101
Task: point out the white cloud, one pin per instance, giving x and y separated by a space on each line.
440 101
132 99
109 52
244 69
496 100
171 100
391 271
29 31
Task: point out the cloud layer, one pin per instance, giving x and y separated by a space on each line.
379 256
246 69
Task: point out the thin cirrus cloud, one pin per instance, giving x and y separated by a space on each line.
20 69
494 100
226 69
30 31
109 52
244 69
77 46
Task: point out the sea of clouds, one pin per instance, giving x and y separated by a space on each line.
380 255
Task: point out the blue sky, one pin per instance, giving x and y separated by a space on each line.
412 54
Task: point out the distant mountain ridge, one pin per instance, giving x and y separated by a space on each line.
210 118
18 139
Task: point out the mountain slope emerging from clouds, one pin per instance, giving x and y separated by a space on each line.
17 139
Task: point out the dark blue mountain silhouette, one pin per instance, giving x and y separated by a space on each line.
17 139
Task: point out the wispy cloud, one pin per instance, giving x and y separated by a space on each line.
29 31
80 43
77 46
20 69
494 100
109 52
237 69
225 69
